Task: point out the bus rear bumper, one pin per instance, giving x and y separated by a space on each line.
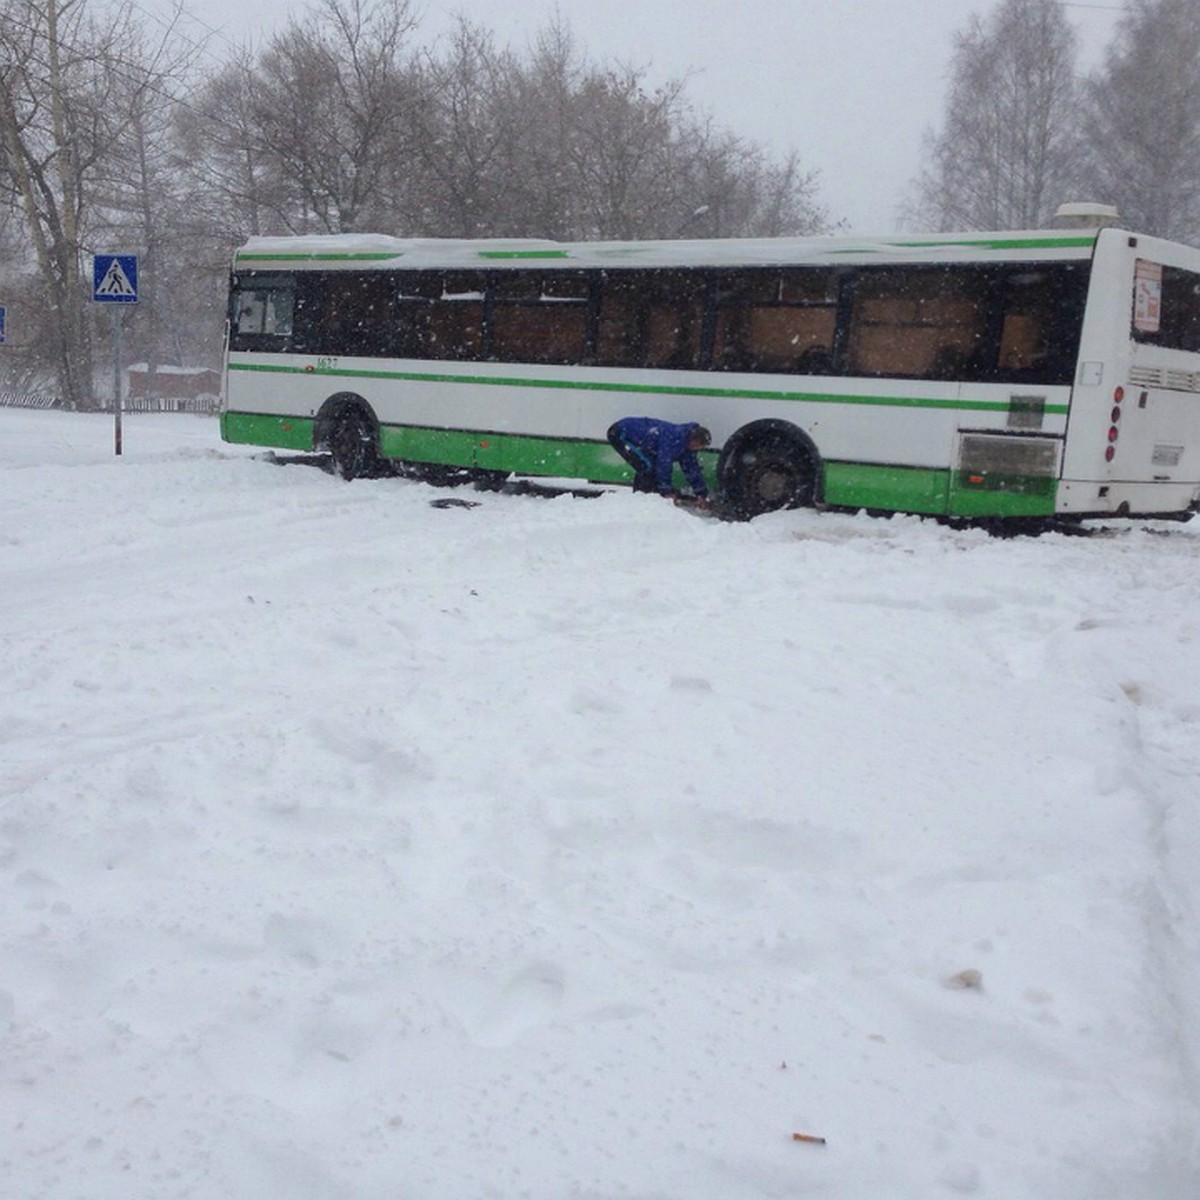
1089 497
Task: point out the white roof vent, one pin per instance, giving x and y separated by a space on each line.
1085 215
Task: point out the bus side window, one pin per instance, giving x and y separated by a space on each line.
1022 344
355 315
412 307
1042 319
539 318
651 319
918 322
772 320
616 326
262 312
252 312
452 326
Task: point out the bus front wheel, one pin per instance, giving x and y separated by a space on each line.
352 444
769 474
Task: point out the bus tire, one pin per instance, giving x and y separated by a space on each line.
769 470
352 444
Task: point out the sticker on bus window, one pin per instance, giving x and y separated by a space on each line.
1147 296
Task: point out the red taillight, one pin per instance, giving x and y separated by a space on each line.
1113 434
1110 453
1116 415
1118 395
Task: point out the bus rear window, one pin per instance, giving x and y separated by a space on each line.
1167 307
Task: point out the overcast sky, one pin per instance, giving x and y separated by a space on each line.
851 85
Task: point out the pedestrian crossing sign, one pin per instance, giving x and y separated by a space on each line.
115 278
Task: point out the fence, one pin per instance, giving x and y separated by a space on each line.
27 400
205 405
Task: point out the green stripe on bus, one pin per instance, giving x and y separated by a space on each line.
930 490
520 453
1072 242
893 488
257 429
524 454
523 254
379 256
642 389
317 256
1003 496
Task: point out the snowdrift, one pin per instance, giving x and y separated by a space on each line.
356 848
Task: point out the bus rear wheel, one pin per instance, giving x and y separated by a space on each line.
768 475
352 444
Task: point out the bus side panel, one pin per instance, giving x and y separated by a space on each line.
966 501
258 429
525 455
903 489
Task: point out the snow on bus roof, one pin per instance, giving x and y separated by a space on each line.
381 250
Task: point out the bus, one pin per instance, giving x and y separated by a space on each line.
1014 375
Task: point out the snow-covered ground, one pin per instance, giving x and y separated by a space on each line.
356 849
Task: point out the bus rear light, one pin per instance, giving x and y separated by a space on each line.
1116 415
1113 433
975 479
1110 453
1118 395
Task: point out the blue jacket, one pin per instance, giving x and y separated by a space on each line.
664 445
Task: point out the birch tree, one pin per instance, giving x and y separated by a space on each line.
1142 131
1005 157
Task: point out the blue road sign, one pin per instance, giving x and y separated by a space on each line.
115 278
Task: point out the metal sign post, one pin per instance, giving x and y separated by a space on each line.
115 315
115 281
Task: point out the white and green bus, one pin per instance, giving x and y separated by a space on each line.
1007 375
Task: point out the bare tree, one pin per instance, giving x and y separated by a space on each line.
73 88
229 172
1142 132
335 128
604 154
139 199
330 110
57 80
1005 156
620 153
737 190
466 128
542 101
